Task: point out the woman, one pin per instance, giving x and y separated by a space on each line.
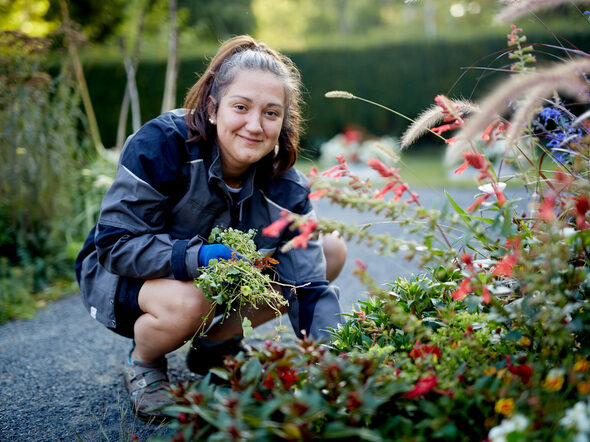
224 160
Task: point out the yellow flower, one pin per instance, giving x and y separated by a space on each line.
505 406
490 371
455 344
554 380
524 341
584 387
581 366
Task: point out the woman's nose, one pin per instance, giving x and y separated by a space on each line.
254 123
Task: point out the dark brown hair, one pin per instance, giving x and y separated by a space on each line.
235 55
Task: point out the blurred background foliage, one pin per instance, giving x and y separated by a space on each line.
395 52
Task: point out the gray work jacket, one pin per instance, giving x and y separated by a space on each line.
167 196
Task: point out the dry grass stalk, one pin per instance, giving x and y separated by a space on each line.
518 8
530 89
430 118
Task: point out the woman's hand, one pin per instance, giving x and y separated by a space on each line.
214 251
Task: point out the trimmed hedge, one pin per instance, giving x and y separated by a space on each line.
405 77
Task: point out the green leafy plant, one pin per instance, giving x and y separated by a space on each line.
241 280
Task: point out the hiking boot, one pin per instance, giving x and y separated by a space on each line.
204 355
148 388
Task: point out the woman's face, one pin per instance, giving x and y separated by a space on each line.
249 119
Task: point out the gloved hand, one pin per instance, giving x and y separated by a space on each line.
207 252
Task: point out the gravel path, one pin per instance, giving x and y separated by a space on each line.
60 373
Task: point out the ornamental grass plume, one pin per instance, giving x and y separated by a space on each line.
566 77
518 8
432 116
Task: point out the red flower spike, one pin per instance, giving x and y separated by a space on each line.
383 170
274 230
303 238
313 173
467 259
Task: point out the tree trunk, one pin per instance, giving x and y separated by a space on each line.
169 100
135 110
86 101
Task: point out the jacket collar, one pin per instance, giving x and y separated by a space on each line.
216 178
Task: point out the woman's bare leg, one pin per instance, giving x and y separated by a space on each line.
174 312
335 251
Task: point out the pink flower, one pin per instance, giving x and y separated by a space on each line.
383 170
546 212
424 385
274 230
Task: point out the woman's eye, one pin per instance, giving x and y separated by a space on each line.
272 113
240 107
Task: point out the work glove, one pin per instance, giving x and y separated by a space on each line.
208 252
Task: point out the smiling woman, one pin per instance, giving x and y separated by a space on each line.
225 160
249 119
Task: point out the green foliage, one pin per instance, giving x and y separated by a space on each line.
43 150
242 280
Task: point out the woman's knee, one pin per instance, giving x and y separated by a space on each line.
335 252
176 301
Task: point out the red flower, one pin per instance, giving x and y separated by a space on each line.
581 208
287 376
314 196
487 134
523 371
420 351
463 289
467 260
485 294
478 202
353 401
459 170
269 382
303 238
383 170
424 385
505 266
361 265
446 127
313 173
275 229
475 159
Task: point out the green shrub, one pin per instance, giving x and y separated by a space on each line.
403 76
43 149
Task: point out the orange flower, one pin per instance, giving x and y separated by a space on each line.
584 387
274 230
505 406
505 266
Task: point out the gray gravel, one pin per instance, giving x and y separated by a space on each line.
60 373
